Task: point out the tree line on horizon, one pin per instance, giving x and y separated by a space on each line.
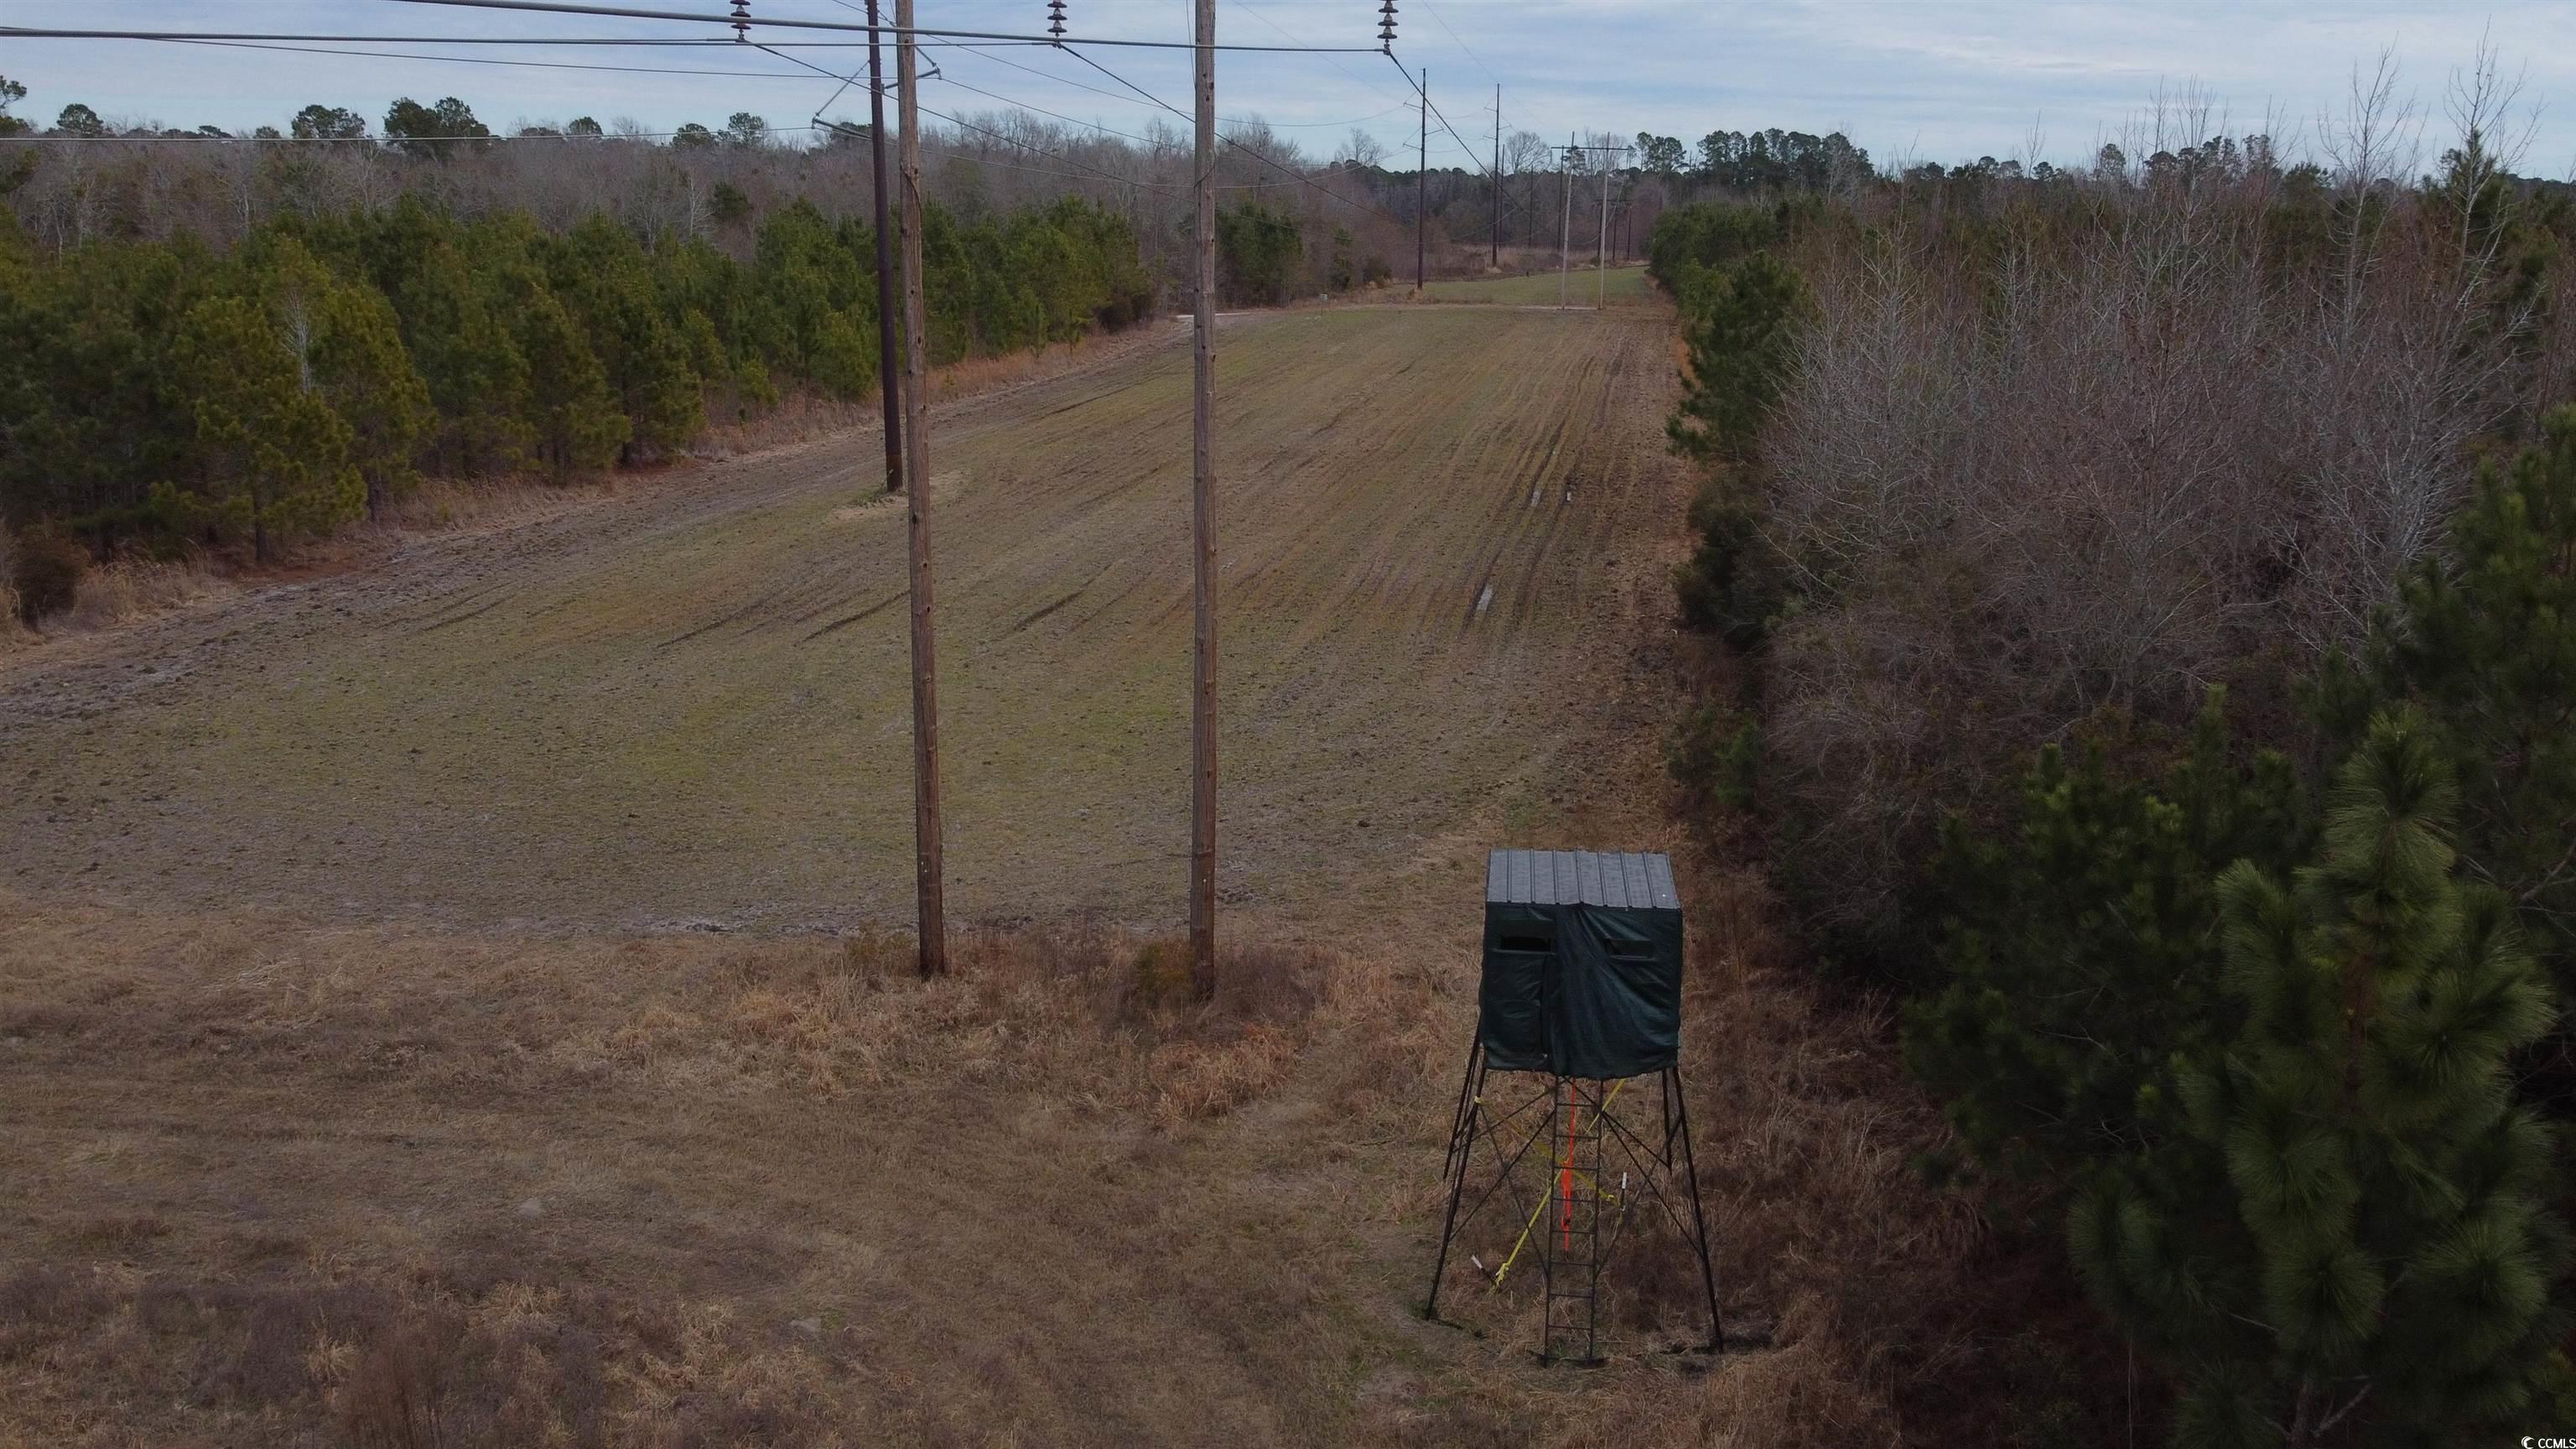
717 184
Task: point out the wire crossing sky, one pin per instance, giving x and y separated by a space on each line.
2038 79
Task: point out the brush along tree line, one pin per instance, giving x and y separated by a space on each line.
160 395
2235 492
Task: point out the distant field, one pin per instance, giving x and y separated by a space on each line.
690 707
1624 285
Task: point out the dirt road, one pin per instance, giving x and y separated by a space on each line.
688 707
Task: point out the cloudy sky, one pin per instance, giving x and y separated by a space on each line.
1906 79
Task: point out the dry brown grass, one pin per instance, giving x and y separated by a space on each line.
274 1183
127 590
111 595
268 1183
12 631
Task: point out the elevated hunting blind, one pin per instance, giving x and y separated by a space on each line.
1583 964
1582 992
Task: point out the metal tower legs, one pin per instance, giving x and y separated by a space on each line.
1462 1135
1573 1244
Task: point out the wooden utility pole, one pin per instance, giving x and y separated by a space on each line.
1203 531
1601 256
1495 177
1422 183
885 265
927 866
1565 241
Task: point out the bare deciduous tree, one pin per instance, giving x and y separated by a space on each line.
2121 456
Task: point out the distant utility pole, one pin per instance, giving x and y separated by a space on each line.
885 266
927 865
1494 178
1422 184
1202 529
1565 240
1601 256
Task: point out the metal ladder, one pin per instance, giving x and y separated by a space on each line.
1570 1254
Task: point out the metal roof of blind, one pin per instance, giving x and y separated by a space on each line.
1622 880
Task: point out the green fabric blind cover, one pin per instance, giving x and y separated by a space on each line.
1581 990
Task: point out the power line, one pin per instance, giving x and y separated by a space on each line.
1462 45
1095 171
1089 173
1247 8
970 125
564 7
1043 111
1293 180
1229 140
32 32
1229 120
136 138
1444 120
482 60
557 139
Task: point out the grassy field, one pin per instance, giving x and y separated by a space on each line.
1623 287
691 708
359 1093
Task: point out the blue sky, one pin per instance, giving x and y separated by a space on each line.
1931 81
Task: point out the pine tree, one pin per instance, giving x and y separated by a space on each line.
2484 640
452 315
91 413
816 306
468 354
606 278
2080 955
1743 327
348 347
273 459
2349 1238
571 412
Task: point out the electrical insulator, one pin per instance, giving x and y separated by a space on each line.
1055 20
742 22
1386 24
